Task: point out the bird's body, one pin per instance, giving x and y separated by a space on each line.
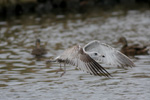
86 60
132 50
38 50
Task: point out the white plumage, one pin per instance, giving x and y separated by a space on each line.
86 58
77 57
106 54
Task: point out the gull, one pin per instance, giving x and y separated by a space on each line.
77 57
87 58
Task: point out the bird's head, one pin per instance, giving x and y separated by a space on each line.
96 55
37 43
122 40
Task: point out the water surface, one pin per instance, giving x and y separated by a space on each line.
23 77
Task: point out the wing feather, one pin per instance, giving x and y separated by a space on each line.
107 54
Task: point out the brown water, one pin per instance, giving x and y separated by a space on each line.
22 77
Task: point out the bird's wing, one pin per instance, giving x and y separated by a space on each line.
107 54
77 57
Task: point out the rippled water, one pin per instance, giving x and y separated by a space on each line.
23 77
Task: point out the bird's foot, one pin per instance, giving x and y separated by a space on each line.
62 73
60 69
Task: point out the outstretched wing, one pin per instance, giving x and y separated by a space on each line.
106 54
77 57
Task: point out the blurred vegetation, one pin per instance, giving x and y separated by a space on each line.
19 7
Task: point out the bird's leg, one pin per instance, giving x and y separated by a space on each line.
60 66
64 70
60 69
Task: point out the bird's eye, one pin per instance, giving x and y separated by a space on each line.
103 56
95 53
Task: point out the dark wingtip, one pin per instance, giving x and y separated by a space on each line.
108 75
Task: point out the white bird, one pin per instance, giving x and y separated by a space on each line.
86 58
77 57
106 54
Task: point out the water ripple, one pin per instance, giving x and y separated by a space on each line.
23 77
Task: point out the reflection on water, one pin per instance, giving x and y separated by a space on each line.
23 77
